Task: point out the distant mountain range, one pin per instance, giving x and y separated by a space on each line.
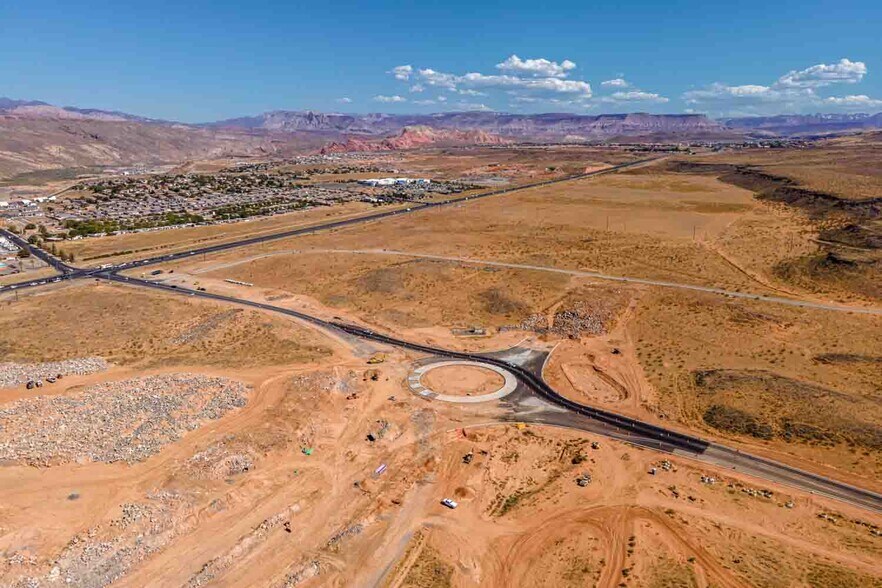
415 137
555 126
36 135
552 126
789 125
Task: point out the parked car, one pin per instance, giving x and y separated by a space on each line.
451 504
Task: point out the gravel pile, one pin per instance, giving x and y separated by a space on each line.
15 374
128 420
579 321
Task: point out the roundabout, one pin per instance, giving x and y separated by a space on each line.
464 382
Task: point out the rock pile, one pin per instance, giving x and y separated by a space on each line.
15 374
580 320
128 420
221 461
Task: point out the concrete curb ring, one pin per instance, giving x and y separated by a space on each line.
416 386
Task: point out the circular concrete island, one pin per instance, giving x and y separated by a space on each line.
462 381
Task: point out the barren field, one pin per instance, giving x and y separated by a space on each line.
196 443
651 226
806 383
137 328
847 166
824 204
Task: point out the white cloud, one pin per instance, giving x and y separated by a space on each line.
536 67
390 99
816 76
471 106
718 91
547 85
854 101
424 102
442 98
634 96
344 100
438 79
472 83
417 88
401 72
615 83
471 93
795 91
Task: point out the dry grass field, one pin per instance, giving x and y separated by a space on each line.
848 167
827 197
650 232
137 328
803 382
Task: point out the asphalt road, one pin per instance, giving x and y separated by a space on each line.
53 261
576 415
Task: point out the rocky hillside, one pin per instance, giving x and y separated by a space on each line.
414 137
35 136
792 125
552 126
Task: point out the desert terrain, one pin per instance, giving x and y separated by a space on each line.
216 442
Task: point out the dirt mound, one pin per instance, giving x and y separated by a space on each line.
765 405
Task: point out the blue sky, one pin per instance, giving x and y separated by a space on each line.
200 61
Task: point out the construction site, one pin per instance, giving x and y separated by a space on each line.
598 374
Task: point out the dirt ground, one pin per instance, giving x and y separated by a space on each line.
845 166
301 464
142 329
458 380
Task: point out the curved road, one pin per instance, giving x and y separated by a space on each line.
628 429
